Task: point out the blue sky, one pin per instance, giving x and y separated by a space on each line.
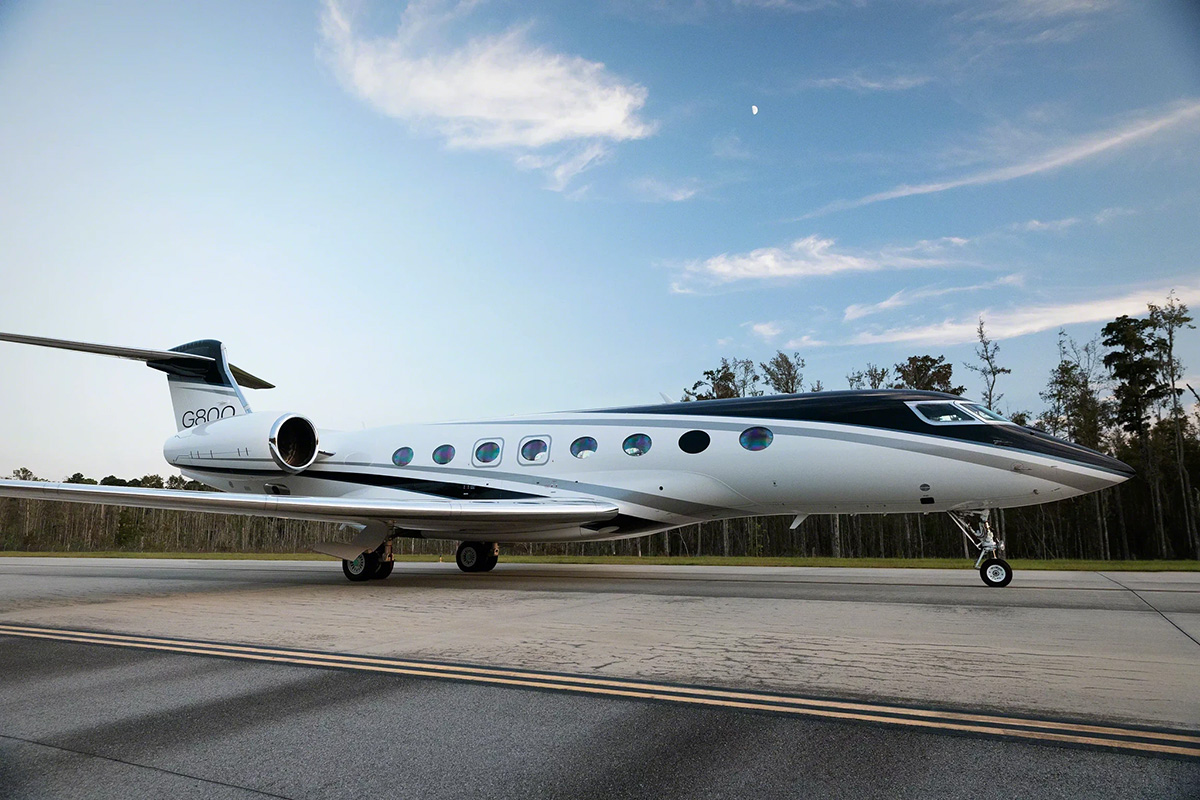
453 210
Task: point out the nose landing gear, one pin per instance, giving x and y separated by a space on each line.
975 526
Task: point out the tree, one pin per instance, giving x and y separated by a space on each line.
1137 392
1075 410
1132 364
989 370
1167 321
873 377
928 373
79 477
784 373
24 474
733 378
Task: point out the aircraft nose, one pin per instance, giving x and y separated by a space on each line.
1041 442
1121 468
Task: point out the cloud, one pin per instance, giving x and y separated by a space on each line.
803 342
765 330
654 190
858 82
1037 225
495 92
792 6
730 147
1032 10
1109 214
907 297
1021 321
1181 115
809 257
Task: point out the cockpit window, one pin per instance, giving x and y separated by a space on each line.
986 413
943 413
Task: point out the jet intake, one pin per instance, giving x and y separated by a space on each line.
293 443
263 442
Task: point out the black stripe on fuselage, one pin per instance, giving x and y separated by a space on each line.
885 409
452 491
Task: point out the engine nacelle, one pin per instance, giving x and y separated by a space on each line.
251 440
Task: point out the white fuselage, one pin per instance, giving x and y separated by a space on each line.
808 468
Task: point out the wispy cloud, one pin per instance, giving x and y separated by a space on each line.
805 341
495 92
1026 10
1109 214
809 257
859 82
657 191
1034 225
907 297
730 147
793 6
764 330
1182 115
1008 323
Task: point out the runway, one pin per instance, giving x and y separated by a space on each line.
831 675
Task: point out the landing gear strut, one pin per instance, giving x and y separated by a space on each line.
477 556
974 525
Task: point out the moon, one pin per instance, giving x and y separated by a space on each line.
753 109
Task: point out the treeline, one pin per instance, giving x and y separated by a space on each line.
1121 393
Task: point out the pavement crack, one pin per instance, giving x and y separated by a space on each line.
1152 606
151 767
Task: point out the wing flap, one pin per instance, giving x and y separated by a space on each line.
433 514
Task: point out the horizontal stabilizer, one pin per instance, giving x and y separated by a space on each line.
161 358
135 353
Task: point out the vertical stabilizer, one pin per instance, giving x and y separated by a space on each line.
201 391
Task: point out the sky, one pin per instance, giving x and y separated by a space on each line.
456 210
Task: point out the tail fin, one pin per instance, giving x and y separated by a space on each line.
201 379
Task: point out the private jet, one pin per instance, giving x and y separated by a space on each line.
585 476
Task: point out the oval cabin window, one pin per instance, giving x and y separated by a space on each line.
535 451
694 442
755 439
636 445
583 447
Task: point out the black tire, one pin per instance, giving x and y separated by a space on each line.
470 556
489 563
996 572
362 568
383 570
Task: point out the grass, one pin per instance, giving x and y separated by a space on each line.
706 561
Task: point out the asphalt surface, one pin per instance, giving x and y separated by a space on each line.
93 720
87 721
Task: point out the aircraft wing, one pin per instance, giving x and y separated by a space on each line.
433 514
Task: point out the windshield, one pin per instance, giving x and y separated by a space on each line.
986 413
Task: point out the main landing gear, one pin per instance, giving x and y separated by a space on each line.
373 565
477 556
975 526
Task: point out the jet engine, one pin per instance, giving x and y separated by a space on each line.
289 441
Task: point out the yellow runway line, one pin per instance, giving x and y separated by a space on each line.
1111 737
